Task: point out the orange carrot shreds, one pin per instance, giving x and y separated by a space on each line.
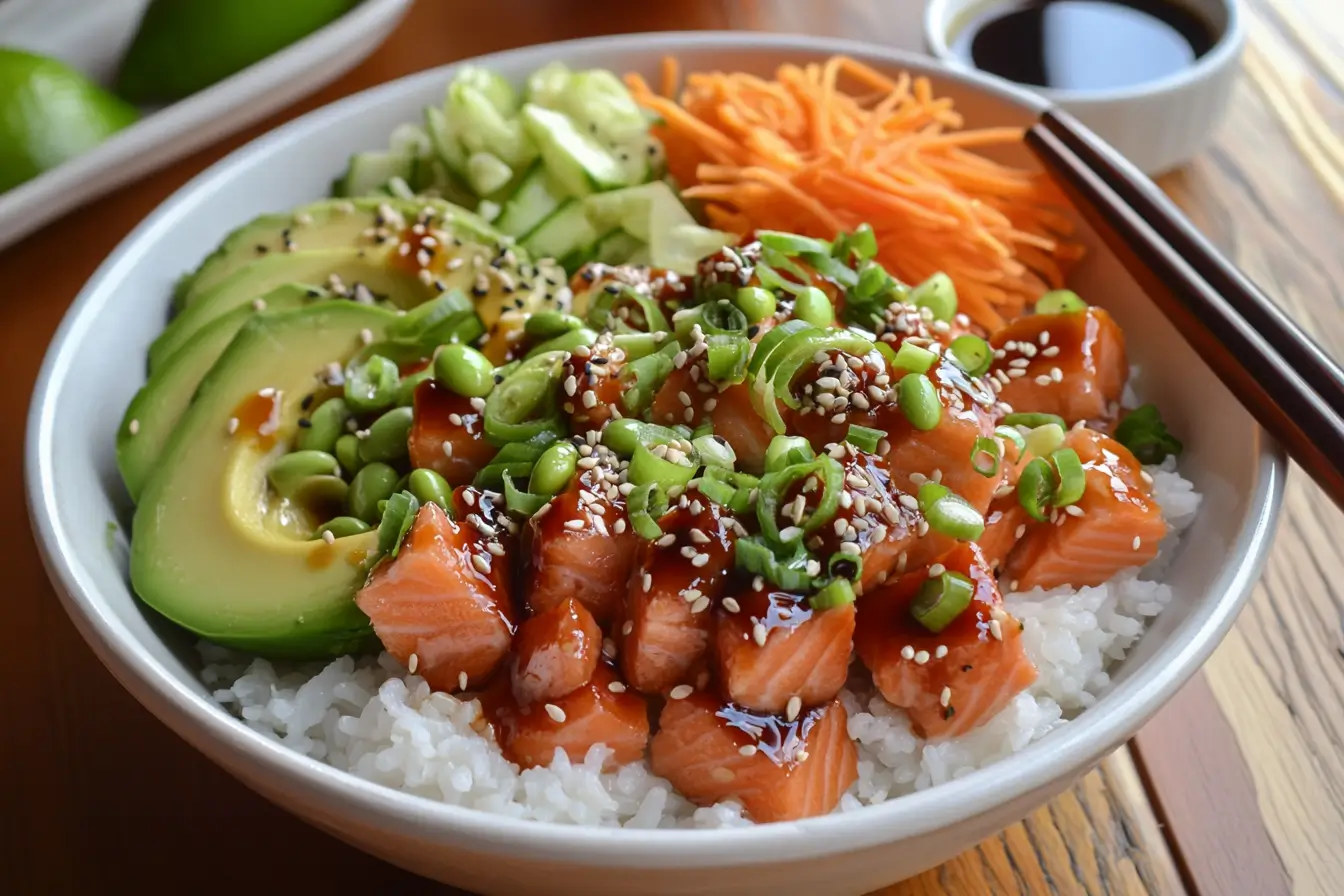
824 147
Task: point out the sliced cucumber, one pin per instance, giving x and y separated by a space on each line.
446 145
494 87
536 198
487 173
369 171
546 86
653 214
616 248
409 139
600 104
483 128
576 160
566 236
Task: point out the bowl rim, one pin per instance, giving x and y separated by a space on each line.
335 793
938 22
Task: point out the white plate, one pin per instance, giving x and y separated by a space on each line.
92 36
96 363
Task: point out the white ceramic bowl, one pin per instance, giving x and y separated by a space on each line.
95 364
1158 125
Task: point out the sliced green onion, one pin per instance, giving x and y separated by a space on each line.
643 378
791 243
1031 421
524 404
646 467
1146 436
1072 478
398 515
845 566
865 438
913 358
716 490
986 455
919 402
830 268
1043 440
941 600
785 451
813 306
1060 301
1014 435
774 489
874 281
836 593
755 303
626 434
602 314
727 358
1036 488
721 318
886 351
727 488
549 324
714 451
773 340
788 572
492 475
639 345
645 506
931 493
938 294
954 516
704 429
973 354
775 379
567 341
862 243
521 502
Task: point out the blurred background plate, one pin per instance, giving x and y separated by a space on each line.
93 36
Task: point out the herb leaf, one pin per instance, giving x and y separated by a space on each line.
1143 432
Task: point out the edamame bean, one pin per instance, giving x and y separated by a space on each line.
549 324
342 527
406 389
554 469
325 426
375 482
386 439
372 386
813 307
464 370
938 294
289 472
755 302
430 488
321 494
622 436
347 452
919 401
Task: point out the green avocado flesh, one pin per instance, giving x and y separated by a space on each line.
159 404
331 224
212 547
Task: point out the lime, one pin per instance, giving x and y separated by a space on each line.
183 46
50 113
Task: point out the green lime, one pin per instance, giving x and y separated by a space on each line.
183 46
50 113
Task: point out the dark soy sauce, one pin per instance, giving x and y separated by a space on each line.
1085 44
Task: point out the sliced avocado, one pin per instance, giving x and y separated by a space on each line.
330 224
212 548
368 267
159 404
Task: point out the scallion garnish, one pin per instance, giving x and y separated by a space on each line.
524 404
972 353
646 467
1036 488
913 358
845 566
865 438
1072 478
714 451
791 243
521 502
775 495
835 593
1014 435
785 451
727 358
1043 440
938 294
644 377
986 454
645 506
398 515
1060 301
787 570
941 600
1031 421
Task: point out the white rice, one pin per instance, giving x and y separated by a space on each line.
371 717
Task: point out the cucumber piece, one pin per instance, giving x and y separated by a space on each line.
546 86
487 173
494 87
481 127
653 214
535 199
444 141
369 171
616 248
409 139
576 160
565 236
601 105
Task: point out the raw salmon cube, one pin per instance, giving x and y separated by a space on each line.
555 652
448 435
1072 365
591 386
778 770
1005 525
1115 525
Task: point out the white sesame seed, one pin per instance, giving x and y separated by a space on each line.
555 712
700 560
747 750
946 696
574 525
328 536
701 605
996 629
447 449
940 652
921 657
758 634
233 425
413 663
482 565
794 707
134 427
1073 510
1137 542
731 605
681 692
1043 380
909 502
789 533
462 680
366 336
907 652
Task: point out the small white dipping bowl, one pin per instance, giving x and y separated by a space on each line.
1158 125
96 363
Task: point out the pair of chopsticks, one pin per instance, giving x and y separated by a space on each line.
1279 374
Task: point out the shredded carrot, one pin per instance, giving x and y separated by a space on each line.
823 148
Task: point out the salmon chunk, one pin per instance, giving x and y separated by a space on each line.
581 544
1072 365
778 770
1115 525
952 681
555 652
442 605
841 390
448 435
775 653
1005 524
737 422
667 623
687 396
591 387
601 711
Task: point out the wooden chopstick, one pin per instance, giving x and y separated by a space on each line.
1320 371
1264 378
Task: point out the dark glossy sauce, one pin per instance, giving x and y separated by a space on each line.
258 417
1085 44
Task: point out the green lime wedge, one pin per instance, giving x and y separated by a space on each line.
50 113
183 46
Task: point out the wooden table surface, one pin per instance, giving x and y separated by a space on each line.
1236 788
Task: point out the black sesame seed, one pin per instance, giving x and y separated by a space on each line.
753 330
600 360
305 423
499 378
967 668
612 289
948 712
307 401
261 249
586 275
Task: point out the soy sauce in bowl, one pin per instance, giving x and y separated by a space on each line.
1085 45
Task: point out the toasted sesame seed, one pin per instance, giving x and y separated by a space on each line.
937 569
731 605
747 750
413 663
681 692
328 536
574 525
996 629
907 652
794 707
555 712
482 565
1073 510
462 681
700 560
946 696
921 657
1137 542
759 634
940 652
233 425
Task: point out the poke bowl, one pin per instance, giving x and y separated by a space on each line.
442 540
